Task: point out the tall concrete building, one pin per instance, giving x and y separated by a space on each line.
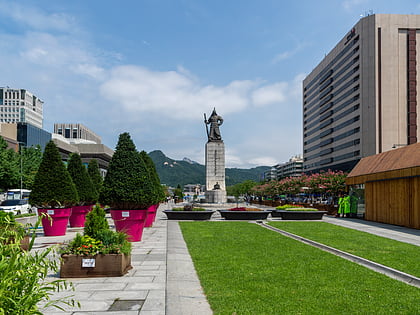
19 105
362 98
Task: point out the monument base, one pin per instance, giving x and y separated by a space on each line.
215 196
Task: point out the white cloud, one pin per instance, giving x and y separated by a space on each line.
350 4
37 19
178 94
270 94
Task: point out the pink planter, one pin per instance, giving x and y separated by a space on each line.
55 224
151 215
130 222
78 215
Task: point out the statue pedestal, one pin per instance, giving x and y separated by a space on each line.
215 172
215 196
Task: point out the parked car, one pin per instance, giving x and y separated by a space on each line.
16 206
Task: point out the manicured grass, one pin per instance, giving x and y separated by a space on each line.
245 269
398 255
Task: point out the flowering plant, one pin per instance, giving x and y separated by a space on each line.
107 242
244 209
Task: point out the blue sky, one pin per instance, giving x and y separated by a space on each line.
154 67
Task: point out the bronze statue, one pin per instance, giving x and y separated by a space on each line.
215 121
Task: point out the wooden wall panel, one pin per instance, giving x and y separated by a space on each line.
395 201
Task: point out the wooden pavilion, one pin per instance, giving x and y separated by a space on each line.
392 186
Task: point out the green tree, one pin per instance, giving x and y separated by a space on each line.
158 191
53 186
127 181
31 159
85 188
9 167
178 194
95 175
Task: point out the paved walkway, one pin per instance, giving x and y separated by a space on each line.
163 279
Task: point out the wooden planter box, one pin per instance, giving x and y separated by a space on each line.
109 265
188 215
244 215
298 215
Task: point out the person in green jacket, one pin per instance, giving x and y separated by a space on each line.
343 206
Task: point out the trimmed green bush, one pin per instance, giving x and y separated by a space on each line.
95 175
85 188
53 186
95 221
158 192
127 185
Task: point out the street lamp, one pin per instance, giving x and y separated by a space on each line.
21 168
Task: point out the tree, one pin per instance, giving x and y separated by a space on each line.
85 188
127 181
31 159
95 175
53 186
9 167
158 192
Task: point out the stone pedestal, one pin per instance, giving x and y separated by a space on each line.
215 172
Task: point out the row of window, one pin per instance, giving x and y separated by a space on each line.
344 67
335 149
313 109
333 159
329 66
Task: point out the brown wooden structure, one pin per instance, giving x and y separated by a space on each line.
392 186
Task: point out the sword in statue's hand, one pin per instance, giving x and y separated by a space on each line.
207 129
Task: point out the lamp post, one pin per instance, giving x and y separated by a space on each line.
21 168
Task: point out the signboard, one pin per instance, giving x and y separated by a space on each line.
88 262
125 214
50 212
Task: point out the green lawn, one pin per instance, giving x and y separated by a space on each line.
245 269
401 256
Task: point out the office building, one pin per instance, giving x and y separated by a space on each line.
19 105
362 98
76 131
291 168
77 138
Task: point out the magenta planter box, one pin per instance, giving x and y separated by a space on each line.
151 215
78 215
56 225
130 222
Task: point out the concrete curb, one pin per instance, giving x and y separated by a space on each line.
388 271
184 294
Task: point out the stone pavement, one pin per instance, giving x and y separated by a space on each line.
163 279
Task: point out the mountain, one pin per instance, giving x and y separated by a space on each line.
172 172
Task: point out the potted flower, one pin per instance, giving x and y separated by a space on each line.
244 213
85 189
297 212
188 212
126 189
156 189
100 252
53 192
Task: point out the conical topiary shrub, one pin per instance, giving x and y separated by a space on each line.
127 184
95 175
53 186
156 188
53 192
88 195
126 189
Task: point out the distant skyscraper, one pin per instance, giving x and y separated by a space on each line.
363 97
19 105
